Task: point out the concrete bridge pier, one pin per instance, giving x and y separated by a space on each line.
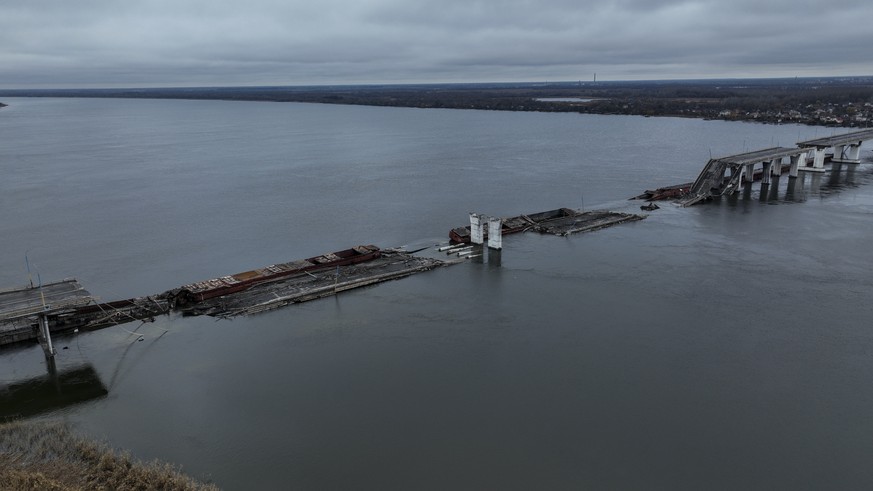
818 156
477 229
767 171
749 173
839 153
855 153
45 337
777 167
734 172
495 233
847 154
795 163
478 223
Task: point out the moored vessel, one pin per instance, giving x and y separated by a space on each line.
224 285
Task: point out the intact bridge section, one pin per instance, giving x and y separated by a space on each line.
847 148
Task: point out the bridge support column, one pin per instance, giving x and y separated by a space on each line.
817 160
765 174
45 336
734 171
477 229
839 153
855 153
850 155
495 233
776 170
795 163
749 173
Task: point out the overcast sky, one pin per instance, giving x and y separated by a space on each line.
141 43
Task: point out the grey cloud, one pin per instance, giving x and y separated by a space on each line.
220 42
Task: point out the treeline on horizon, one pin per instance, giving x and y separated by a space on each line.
689 98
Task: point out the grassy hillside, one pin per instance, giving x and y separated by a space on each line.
48 456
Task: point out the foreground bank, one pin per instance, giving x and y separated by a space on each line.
46 455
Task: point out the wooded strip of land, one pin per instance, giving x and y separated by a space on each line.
846 101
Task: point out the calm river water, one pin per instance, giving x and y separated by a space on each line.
723 346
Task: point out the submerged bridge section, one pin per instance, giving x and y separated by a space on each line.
745 167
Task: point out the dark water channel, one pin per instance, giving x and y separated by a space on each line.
724 346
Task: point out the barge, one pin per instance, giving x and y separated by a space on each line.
216 287
391 264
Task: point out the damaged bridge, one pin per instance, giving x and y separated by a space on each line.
807 156
712 180
36 313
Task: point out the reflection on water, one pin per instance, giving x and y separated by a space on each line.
55 390
791 190
814 182
495 256
799 189
774 191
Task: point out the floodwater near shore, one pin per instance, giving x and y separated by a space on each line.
720 346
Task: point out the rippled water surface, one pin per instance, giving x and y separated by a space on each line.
723 346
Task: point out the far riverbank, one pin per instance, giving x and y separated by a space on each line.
844 102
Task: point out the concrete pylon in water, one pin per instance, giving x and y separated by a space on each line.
495 235
477 228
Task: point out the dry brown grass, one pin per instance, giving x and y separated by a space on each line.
48 456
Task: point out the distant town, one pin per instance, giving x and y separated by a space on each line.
838 101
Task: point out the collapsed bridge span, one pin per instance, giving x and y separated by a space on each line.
807 156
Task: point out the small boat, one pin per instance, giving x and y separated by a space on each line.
650 207
461 235
216 287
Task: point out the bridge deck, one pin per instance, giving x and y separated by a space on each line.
17 303
760 156
829 141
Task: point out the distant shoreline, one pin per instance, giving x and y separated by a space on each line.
845 102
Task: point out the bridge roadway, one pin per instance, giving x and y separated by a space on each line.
22 308
847 148
17 303
846 138
760 156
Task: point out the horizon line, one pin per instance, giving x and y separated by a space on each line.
422 84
